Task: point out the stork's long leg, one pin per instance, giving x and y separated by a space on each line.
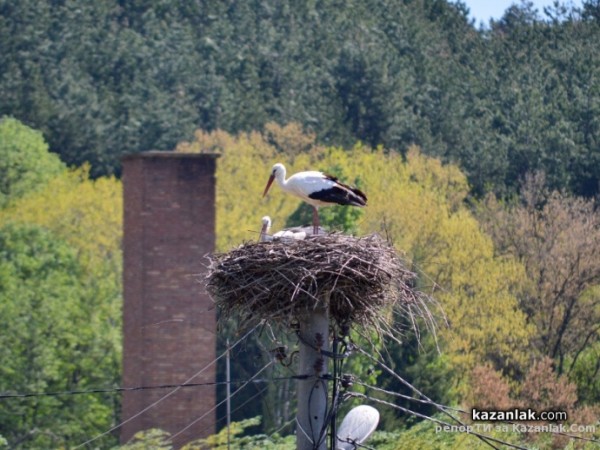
315 220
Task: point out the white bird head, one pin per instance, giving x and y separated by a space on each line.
277 173
264 231
266 222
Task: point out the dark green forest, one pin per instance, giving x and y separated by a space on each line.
101 79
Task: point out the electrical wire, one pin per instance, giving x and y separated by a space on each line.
354 444
164 397
221 402
319 440
281 428
117 390
445 409
336 400
483 438
338 359
248 400
409 398
458 410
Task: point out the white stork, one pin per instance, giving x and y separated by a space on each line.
299 233
287 235
316 189
264 231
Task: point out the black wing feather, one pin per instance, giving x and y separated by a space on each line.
341 194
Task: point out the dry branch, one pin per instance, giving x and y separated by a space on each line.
362 279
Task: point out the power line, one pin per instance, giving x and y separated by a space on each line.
409 398
141 388
164 397
220 403
103 390
483 437
220 419
442 408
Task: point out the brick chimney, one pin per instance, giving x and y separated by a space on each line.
169 322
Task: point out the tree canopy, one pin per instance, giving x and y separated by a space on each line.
60 308
25 162
50 342
419 204
520 94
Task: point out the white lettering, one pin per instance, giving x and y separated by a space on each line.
582 428
519 428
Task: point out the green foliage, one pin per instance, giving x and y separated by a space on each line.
153 439
63 311
219 441
87 213
429 435
585 372
238 439
47 344
25 163
419 204
105 78
426 435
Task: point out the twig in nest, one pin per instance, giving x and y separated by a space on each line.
362 279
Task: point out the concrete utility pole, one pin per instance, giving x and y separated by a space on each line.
228 393
325 282
311 428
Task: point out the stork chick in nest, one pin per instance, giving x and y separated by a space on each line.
289 234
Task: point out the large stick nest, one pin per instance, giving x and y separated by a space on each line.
360 280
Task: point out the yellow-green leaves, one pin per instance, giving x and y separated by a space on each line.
66 306
242 173
86 213
414 200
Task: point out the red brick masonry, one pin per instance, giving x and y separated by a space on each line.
169 322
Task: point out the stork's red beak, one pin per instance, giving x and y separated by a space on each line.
269 183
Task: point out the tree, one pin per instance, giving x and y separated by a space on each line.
233 439
106 78
25 163
585 372
557 239
417 202
47 344
68 297
86 213
540 389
